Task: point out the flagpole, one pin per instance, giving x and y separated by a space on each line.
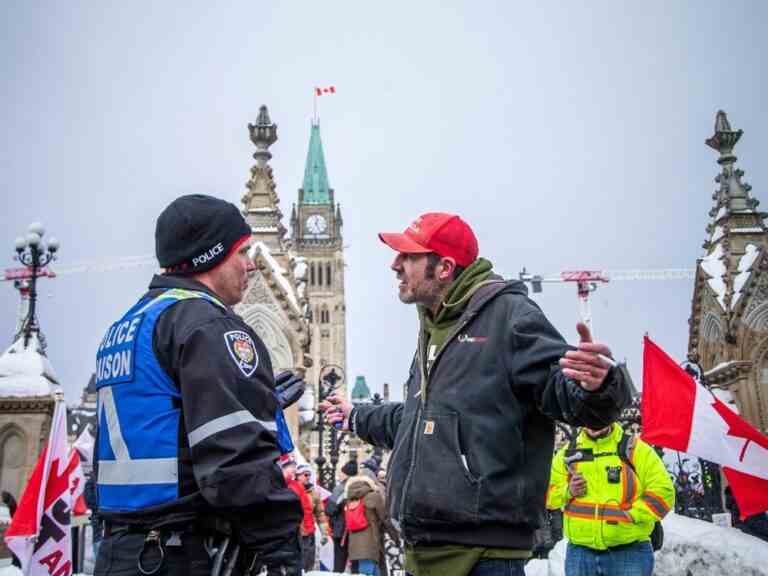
58 400
314 105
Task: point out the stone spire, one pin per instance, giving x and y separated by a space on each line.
316 189
260 201
736 233
733 194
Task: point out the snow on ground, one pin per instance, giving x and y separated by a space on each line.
13 571
691 548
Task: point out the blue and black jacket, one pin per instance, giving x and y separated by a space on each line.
187 418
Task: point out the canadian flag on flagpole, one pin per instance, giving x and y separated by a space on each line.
39 534
326 90
681 414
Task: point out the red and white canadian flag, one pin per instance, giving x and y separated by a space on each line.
39 534
326 90
681 414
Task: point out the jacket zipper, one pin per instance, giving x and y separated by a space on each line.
423 403
416 425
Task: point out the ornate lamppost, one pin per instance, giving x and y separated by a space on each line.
33 252
378 452
331 378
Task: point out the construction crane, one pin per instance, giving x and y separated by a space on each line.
24 273
587 281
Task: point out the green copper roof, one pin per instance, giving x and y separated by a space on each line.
315 175
360 391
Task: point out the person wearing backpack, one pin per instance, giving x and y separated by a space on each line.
365 518
334 509
613 490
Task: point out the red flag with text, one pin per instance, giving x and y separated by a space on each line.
679 413
39 533
326 90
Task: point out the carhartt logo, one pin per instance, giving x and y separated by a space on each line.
472 339
429 427
208 255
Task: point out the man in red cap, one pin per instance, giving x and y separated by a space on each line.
473 439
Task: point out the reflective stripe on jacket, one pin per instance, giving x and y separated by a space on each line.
611 513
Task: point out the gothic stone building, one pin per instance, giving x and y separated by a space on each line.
295 301
729 319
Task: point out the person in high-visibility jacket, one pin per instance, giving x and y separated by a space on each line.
610 505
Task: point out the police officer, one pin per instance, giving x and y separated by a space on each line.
190 415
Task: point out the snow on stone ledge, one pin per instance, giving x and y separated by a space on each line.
715 268
717 234
277 271
25 372
745 269
726 397
720 213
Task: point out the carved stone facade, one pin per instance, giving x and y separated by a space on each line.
729 321
27 386
275 304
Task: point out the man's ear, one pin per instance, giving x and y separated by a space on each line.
447 268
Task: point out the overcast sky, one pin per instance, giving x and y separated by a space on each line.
568 134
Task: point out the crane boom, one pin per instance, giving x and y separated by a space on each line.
88 266
587 281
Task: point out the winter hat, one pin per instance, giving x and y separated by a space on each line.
196 233
350 468
303 469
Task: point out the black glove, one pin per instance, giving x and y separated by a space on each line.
289 388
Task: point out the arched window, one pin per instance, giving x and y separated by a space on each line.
13 447
312 274
319 273
328 275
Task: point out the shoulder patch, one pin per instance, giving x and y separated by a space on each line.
242 350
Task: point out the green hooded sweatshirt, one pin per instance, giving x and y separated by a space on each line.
436 330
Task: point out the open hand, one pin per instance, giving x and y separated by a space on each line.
585 364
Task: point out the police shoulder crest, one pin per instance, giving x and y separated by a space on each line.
242 350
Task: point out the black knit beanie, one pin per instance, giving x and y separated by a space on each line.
195 233
350 468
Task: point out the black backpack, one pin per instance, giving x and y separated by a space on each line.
626 444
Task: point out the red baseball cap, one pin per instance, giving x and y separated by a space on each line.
438 232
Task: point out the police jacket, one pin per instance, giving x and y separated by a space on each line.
187 419
620 505
471 459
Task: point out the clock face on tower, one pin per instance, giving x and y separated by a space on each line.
316 224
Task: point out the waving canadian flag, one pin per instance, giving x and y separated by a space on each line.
39 533
681 414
